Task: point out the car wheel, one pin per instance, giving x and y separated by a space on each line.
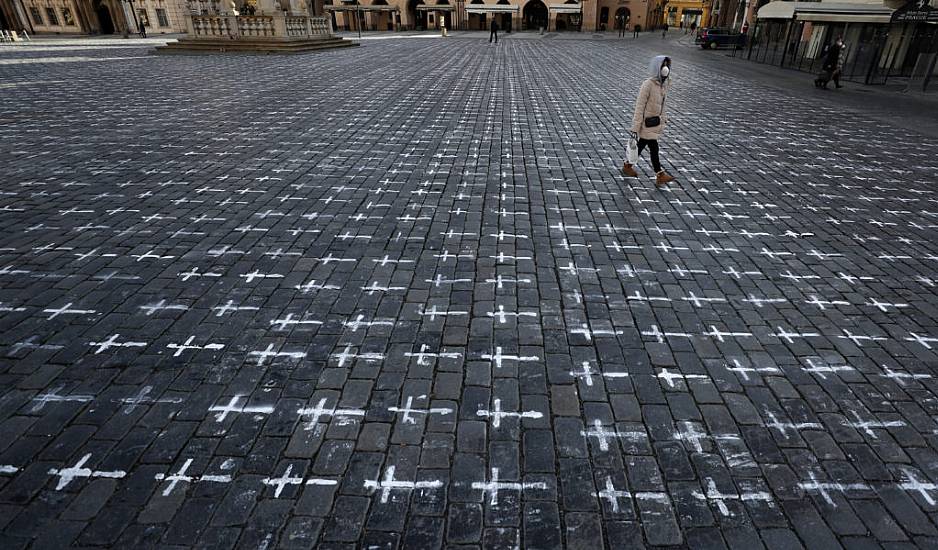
712 45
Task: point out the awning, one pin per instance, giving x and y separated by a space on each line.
498 8
361 8
825 11
441 7
565 8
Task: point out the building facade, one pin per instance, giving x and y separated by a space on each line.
97 16
885 41
511 15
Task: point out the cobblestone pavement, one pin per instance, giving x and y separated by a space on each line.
400 297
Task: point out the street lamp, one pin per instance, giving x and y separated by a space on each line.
134 12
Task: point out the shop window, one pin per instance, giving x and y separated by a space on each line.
161 17
36 15
51 16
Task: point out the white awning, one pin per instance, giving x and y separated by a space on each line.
435 7
496 8
565 8
826 11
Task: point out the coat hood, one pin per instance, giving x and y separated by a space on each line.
655 67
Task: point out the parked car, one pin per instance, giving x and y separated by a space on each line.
720 38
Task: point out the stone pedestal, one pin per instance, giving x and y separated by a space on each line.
271 30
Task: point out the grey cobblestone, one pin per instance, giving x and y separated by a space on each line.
401 297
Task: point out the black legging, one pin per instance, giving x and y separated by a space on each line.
653 148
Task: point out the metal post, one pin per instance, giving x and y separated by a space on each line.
358 10
755 32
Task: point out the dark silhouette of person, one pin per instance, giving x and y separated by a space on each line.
494 31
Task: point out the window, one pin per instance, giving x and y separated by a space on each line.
161 17
52 17
67 18
143 17
36 15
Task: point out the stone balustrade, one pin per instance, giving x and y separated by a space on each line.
259 26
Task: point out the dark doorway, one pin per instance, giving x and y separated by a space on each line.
104 18
623 15
418 18
4 24
534 15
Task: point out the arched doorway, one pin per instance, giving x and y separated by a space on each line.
105 23
534 15
418 19
623 16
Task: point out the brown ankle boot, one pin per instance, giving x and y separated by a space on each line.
662 178
628 171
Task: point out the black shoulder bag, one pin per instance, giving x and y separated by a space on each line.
653 121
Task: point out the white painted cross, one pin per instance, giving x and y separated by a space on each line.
857 339
233 407
900 377
281 482
502 315
719 335
587 333
408 410
925 341
586 374
915 485
313 285
53 396
67 475
822 370
142 396
867 426
824 488
230 307
64 310
604 435
821 304
423 356
493 486
180 476
269 353
669 377
249 277
884 306
112 343
714 495
660 336
612 495
388 484
359 322
282 324
313 414
180 348
743 372
433 312
496 414
347 354
374 287
784 427
790 336
150 309
498 358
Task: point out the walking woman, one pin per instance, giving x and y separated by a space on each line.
649 118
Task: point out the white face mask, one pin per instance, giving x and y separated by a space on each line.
665 71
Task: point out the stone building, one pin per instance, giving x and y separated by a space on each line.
515 15
96 16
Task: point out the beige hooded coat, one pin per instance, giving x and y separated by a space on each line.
651 101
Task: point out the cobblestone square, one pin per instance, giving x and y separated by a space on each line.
401 296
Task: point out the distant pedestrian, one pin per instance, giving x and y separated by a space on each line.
143 29
494 31
635 30
649 118
664 31
833 65
620 21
